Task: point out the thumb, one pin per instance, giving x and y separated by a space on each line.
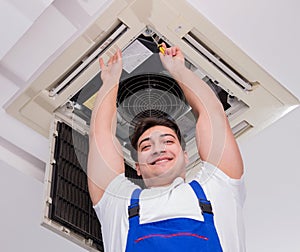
163 59
161 56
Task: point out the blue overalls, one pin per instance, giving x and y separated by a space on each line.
178 234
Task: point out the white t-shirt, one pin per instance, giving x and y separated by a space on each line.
227 196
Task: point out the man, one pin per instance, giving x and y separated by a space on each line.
170 215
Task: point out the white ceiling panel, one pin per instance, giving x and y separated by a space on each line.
80 13
8 89
18 25
32 9
13 131
93 6
269 43
50 31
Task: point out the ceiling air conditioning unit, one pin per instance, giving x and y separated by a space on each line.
61 98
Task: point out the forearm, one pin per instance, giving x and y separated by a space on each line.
214 138
198 94
105 160
104 112
215 141
103 118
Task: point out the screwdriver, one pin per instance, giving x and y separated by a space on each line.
159 46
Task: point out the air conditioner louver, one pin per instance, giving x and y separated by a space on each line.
89 58
217 61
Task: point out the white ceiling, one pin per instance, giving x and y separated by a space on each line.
34 32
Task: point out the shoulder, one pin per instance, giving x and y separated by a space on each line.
117 193
215 181
227 196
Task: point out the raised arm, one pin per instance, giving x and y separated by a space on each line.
215 141
105 160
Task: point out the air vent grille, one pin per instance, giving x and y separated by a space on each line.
71 205
217 61
150 92
119 30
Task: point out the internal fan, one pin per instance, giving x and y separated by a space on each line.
150 92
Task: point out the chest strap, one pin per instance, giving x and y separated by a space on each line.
204 204
134 208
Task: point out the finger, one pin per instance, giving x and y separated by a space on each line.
168 51
178 49
164 57
119 54
114 58
101 63
164 49
161 56
163 44
173 51
179 53
161 53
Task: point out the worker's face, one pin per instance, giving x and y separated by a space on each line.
160 156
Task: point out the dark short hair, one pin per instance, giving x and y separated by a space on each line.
144 123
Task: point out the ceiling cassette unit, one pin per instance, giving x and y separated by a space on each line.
60 100
254 99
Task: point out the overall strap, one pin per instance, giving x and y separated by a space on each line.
204 204
134 208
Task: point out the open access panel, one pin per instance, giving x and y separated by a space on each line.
145 85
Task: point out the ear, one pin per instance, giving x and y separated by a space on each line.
138 169
186 157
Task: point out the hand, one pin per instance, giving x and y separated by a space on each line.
172 59
113 70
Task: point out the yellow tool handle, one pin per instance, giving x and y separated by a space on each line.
161 49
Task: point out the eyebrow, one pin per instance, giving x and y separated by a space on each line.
162 135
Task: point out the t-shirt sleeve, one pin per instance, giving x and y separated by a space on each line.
115 199
236 186
112 213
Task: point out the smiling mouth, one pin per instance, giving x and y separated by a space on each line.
161 160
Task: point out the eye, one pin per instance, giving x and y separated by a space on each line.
145 147
168 141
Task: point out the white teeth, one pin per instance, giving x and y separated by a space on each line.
161 161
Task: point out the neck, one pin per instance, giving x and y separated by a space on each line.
160 182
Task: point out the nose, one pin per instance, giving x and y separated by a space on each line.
159 147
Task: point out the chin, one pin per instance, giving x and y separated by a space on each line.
157 182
